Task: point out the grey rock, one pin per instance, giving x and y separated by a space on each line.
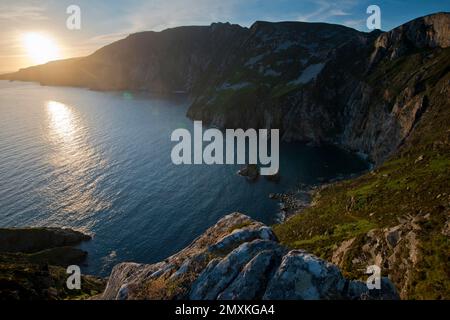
214 280
239 236
302 276
238 259
252 280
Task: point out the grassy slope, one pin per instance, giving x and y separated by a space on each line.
414 181
35 281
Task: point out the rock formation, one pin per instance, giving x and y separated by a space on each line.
33 264
238 259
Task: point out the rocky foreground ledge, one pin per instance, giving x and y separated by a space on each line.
33 264
238 259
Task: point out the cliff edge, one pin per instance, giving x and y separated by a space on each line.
238 259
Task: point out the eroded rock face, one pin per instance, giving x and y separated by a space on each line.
238 259
396 249
425 32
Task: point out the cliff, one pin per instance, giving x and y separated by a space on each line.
398 215
316 82
238 259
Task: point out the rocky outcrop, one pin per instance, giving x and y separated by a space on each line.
238 259
60 256
426 32
396 249
29 240
251 172
33 264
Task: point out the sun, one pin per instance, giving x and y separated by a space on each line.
40 48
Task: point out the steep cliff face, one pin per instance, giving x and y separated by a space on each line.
319 83
396 216
238 259
315 82
390 97
275 71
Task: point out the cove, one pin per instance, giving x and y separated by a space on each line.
100 162
216 148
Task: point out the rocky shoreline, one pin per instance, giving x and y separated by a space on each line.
295 201
292 202
33 264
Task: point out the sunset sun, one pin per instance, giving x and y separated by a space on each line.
40 48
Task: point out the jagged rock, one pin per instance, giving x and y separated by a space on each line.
429 31
358 290
251 172
239 236
395 249
238 258
217 278
252 280
302 276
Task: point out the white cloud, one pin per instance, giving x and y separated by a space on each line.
327 9
355 23
15 13
160 14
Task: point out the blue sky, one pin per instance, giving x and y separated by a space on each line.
104 21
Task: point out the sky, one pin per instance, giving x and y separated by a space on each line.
105 21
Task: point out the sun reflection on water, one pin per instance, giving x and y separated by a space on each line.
62 124
77 166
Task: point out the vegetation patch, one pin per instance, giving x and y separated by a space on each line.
413 182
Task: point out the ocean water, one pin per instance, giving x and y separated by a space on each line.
100 162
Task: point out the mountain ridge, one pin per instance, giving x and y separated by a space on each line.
294 76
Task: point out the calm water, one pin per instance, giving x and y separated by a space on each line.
100 162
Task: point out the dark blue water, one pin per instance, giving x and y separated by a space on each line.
100 163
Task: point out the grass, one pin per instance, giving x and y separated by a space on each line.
27 281
239 226
415 181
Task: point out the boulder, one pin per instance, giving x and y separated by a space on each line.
251 172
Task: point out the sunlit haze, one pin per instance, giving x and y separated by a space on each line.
40 48
35 32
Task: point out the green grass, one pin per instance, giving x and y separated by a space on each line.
414 181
